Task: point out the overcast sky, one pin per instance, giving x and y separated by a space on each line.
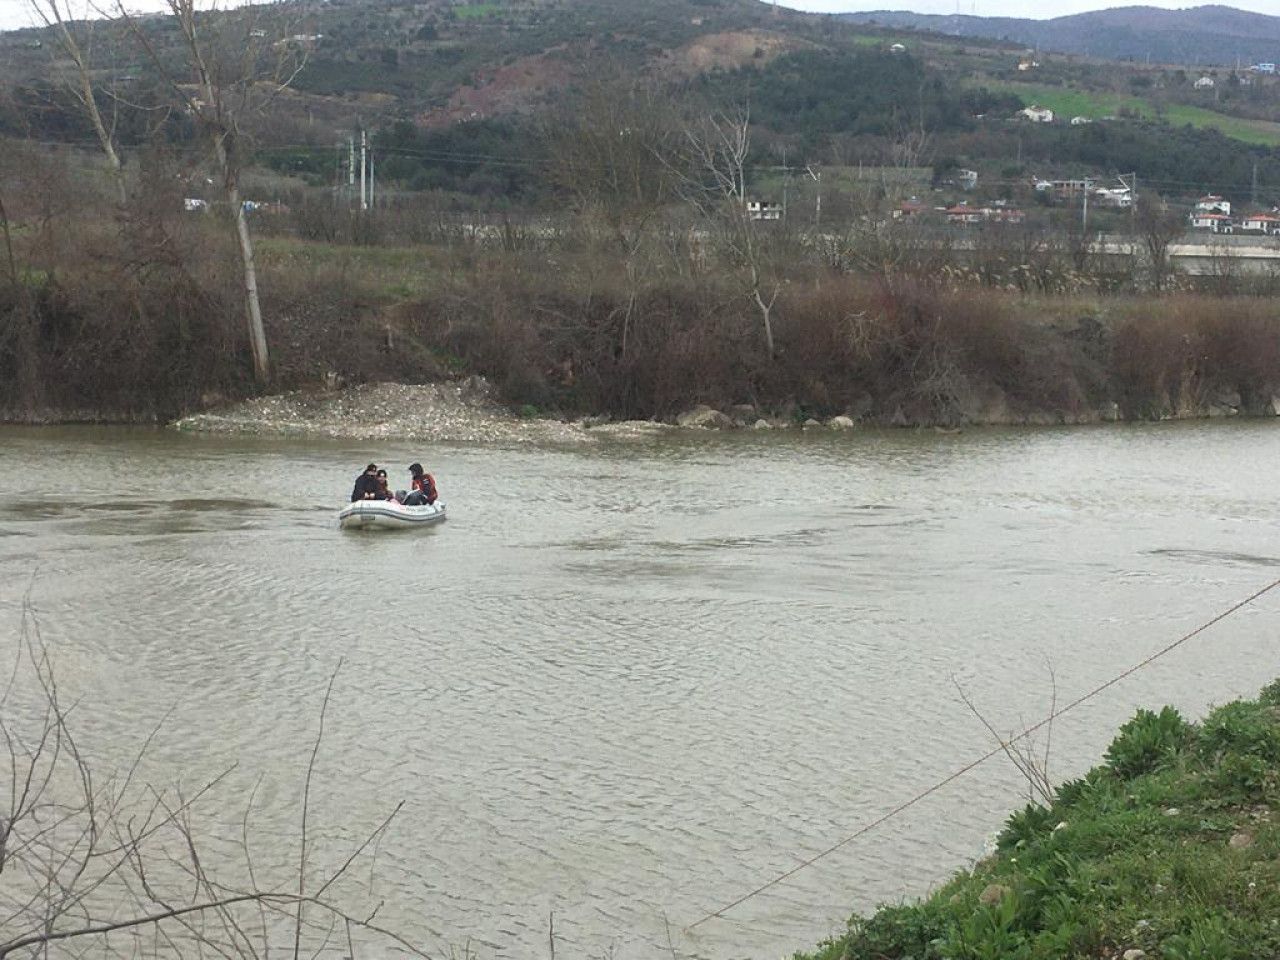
1015 8
16 13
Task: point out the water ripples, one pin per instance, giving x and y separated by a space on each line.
628 684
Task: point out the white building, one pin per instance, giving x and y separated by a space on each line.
1264 223
1117 198
1204 83
764 210
1213 204
1036 114
1213 222
1080 121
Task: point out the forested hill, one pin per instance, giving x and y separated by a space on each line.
1199 36
461 97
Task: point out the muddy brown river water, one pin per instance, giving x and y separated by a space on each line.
627 683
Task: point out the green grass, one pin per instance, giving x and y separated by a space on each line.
1068 103
1171 847
473 11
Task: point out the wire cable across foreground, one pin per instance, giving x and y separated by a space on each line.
974 764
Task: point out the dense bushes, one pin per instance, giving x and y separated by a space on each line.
897 348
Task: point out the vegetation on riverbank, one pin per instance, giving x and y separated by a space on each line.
1170 849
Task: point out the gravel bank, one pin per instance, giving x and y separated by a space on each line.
457 412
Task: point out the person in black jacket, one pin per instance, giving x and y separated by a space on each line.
366 487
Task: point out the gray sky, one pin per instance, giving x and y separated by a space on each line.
16 13
1015 8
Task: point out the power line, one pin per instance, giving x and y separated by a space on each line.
969 767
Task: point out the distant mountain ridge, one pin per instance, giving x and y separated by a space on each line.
1212 35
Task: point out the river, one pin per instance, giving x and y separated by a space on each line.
628 683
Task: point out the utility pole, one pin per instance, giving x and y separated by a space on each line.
351 169
786 180
1084 211
1253 196
371 159
817 211
364 159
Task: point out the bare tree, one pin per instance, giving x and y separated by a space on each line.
56 15
610 152
93 858
1158 226
237 67
715 182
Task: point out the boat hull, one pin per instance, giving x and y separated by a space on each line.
388 515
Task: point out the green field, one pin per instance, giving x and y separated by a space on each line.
472 11
1067 103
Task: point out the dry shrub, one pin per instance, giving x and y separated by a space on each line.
935 352
1170 356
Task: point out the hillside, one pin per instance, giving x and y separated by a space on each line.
459 97
1199 36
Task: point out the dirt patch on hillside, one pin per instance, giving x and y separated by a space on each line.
512 88
729 50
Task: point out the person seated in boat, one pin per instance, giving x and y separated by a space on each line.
366 487
384 492
424 487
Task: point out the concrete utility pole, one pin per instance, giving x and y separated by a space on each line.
1130 181
786 181
371 159
817 209
351 169
364 157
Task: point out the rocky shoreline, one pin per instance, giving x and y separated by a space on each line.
468 411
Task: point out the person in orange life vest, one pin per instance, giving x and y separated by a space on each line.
424 487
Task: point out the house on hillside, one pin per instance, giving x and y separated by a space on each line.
764 210
1070 189
909 209
1213 222
1213 204
1026 65
1115 198
1268 68
1267 224
898 48
964 214
1036 114
1204 83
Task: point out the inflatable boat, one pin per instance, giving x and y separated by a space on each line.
388 515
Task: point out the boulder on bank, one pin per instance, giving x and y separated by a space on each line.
705 418
841 423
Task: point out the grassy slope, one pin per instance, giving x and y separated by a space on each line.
1172 847
1069 103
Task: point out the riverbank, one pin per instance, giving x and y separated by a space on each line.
1170 849
463 411
468 411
